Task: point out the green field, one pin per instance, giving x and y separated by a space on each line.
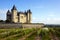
30 34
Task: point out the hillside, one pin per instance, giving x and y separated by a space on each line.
30 34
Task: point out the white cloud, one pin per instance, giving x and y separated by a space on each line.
3 10
3 14
46 20
51 14
53 21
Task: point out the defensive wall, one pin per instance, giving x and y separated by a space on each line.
19 25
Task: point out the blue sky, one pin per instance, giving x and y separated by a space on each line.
43 11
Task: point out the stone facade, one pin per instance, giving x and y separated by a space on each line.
19 17
18 25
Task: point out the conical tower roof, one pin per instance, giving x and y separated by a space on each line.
8 11
14 7
29 11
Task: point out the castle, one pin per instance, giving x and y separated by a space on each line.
18 17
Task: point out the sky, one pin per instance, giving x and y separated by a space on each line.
43 11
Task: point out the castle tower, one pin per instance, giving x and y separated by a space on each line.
29 16
8 16
14 14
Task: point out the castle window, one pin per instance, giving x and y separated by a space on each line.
21 16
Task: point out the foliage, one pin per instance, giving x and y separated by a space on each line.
15 34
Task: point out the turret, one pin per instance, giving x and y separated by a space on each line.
8 16
8 12
14 8
14 14
29 16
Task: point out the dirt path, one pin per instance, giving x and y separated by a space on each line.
10 36
37 38
53 36
24 37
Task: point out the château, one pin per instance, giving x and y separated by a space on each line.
18 17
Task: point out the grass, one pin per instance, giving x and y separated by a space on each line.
15 34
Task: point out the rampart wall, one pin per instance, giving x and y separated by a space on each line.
18 25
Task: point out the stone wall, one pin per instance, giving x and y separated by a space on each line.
18 25
32 25
22 18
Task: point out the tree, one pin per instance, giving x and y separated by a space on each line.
7 21
1 21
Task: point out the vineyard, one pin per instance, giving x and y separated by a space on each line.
30 34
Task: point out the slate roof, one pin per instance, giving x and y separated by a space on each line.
14 8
